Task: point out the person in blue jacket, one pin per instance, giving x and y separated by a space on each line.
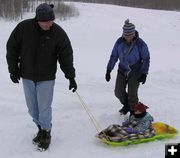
134 60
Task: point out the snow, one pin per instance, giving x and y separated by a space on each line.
93 35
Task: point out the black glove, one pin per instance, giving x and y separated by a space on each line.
15 77
142 78
108 75
72 84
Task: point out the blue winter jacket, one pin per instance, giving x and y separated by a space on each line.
136 61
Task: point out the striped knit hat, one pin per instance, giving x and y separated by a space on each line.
128 29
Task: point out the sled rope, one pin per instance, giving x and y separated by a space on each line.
92 118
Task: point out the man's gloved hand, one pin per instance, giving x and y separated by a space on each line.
142 78
108 75
15 77
72 84
131 130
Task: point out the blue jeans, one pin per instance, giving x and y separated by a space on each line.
39 97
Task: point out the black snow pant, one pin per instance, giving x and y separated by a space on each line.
126 89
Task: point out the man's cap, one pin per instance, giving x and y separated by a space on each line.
44 12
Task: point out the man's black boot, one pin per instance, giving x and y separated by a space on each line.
38 135
45 140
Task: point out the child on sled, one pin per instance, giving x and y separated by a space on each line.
137 126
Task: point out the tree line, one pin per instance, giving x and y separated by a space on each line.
15 9
149 4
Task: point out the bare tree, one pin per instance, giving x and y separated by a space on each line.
14 9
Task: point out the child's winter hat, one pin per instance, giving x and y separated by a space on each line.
44 12
140 107
128 29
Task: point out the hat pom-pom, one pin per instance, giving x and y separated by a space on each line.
126 22
51 5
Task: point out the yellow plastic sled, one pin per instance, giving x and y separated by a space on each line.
163 131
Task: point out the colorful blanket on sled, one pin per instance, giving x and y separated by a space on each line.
158 131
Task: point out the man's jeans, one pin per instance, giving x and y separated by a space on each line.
39 97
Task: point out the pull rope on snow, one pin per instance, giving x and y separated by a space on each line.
92 118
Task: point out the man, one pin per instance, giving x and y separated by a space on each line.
33 49
134 59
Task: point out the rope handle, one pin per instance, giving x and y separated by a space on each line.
92 118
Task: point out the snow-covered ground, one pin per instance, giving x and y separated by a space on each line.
93 34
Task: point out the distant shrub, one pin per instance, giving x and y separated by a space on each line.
65 10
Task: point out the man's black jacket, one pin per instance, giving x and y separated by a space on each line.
34 52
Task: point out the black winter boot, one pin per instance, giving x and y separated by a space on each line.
37 137
125 109
45 140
